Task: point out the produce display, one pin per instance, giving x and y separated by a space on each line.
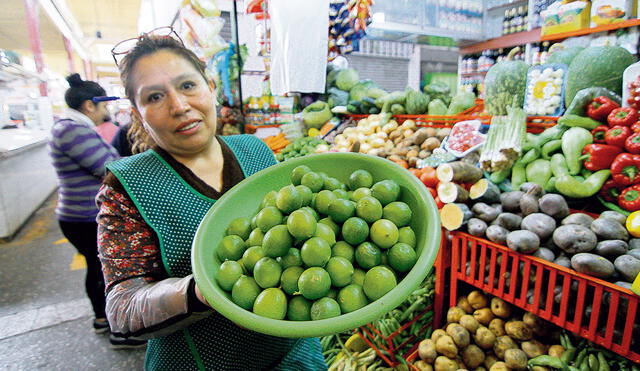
315 250
545 90
299 147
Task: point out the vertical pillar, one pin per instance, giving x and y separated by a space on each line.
69 50
88 73
414 77
236 41
31 9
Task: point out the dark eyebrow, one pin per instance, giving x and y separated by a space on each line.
177 79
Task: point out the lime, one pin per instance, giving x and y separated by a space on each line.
386 191
316 252
244 292
351 298
326 233
241 262
355 231
268 218
333 293
323 200
228 274
306 194
406 235
324 308
314 283
298 172
344 250
358 277
398 212
301 224
251 257
340 270
385 258
378 281
288 199
271 303
341 210
254 223
299 309
313 181
231 248
384 233
267 272
331 224
311 211
332 183
255 237
341 193
323 175
368 255
292 259
277 241
402 257
269 199
369 209
240 227
360 193
360 178
289 279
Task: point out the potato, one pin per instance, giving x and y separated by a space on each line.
556 350
446 346
594 265
412 153
516 359
476 227
431 132
609 229
430 144
445 364
437 334
573 238
528 204
554 205
627 266
579 219
497 234
424 154
472 356
463 303
614 215
427 350
502 344
459 334
484 338
497 327
545 253
454 314
509 221
477 300
423 366
485 212
611 248
541 224
480 369
484 316
533 348
532 320
500 308
518 330
470 323
489 360
499 366
511 201
523 241
420 136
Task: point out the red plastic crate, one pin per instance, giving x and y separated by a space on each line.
592 308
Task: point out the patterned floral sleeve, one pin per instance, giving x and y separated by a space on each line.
127 245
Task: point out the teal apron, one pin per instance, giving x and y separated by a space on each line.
173 209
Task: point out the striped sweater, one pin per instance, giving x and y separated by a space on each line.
79 156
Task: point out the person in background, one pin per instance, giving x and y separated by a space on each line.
79 156
107 130
122 141
151 205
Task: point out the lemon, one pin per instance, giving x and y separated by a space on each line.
306 194
386 191
324 308
341 193
228 274
292 259
360 193
358 277
267 272
355 230
268 218
331 224
340 270
314 181
402 257
368 255
323 200
406 235
269 199
244 292
326 233
332 183
271 303
289 279
378 281
277 241
255 237
341 210
344 250
251 257
311 211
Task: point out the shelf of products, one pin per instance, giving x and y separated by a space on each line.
588 31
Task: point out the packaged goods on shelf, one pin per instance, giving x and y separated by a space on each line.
560 17
605 12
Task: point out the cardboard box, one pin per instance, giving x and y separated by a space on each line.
559 18
605 12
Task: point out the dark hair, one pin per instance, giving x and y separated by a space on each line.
81 90
148 45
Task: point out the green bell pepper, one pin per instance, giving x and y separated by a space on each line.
572 187
552 133
518 176
539 172
498 177
558 165
576 121
573 142
550 187
530 156
550 147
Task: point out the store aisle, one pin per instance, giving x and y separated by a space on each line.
45 317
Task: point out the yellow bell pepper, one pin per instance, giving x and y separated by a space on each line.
633 224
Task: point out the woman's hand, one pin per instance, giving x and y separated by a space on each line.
201 297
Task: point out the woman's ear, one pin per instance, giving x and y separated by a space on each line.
88 106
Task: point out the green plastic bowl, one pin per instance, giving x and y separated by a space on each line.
244 200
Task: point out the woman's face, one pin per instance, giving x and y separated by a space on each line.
175 103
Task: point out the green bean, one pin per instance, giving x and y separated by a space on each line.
604 365
580 358
568 355
593 362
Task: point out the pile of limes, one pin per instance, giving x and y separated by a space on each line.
317 248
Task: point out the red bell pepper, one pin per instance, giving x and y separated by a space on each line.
629 199
600 108
598 134
617 135
626 116
599 156
625 169
610 191
632 143
635 127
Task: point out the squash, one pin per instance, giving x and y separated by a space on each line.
505 86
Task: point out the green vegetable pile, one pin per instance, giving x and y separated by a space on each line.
316 114
300 147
